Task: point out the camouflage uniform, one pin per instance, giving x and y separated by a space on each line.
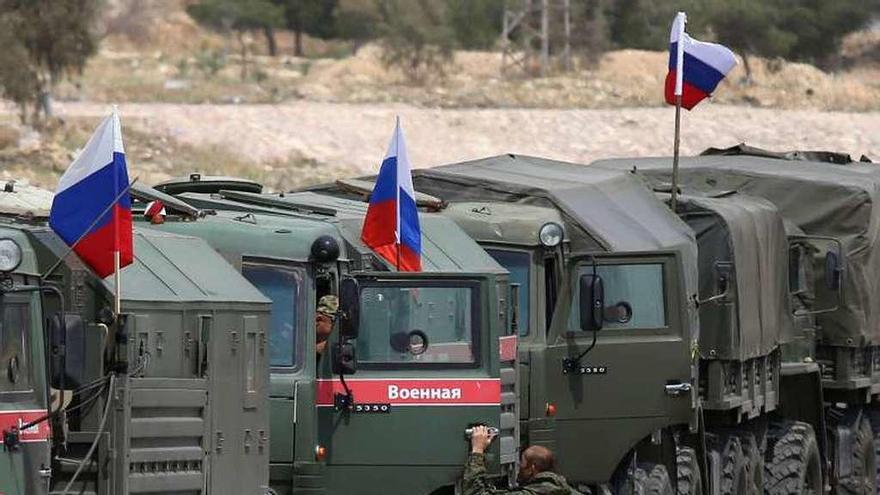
475 482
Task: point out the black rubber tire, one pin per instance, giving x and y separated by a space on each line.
653 479
735 473
754 462
689 480
875 427
792 464
863 478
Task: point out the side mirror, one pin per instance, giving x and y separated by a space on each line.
343 356
723 280
349 308
67 346
592 302
833 270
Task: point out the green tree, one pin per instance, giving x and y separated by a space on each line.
238 16
43 42
416 37
313 17
476 24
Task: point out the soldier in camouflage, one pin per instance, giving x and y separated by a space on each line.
535 477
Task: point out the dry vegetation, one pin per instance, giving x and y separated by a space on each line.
330 111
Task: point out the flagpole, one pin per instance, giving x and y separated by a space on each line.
680 20
674 198
398 256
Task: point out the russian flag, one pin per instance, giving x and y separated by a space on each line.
85 211
391 227
695 67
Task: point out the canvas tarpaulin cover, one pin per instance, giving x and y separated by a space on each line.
822 199
747 234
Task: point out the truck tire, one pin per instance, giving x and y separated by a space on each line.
875 427
755 462
792 464
689 480
735 472
862 481
653 479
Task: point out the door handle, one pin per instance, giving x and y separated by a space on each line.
677 389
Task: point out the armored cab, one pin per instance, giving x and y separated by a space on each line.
556 226
371 413
167 396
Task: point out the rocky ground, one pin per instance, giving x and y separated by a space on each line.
295 143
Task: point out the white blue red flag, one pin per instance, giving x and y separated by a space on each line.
695 67
89 211
391 227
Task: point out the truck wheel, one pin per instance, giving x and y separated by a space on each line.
734 468
653 479
689 480
863 478
875 427
792 466
755 462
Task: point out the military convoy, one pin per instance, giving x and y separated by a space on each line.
724 342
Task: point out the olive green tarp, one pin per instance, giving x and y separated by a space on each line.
822 199
747 233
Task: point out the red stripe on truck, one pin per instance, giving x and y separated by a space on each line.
39 432
415 391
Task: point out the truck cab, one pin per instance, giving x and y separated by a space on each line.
159 397
414 358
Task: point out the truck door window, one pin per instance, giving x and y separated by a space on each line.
283 287
14 354
519 264
634 295
418 325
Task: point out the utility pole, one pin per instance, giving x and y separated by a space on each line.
525 35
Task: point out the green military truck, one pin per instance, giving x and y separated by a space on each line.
166 397
608 402
830 372
757 386
416 358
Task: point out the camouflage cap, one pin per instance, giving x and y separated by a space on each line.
328 305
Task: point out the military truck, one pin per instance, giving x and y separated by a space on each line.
165 397
371 414
609 403
748 341
829 202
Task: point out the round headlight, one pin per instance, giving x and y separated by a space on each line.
10 255
550 234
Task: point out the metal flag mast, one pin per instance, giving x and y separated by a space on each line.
680 21
117 275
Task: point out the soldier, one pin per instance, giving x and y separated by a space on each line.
535 477
325 315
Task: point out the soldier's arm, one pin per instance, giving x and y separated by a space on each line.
476 481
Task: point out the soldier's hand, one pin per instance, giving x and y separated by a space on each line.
480 439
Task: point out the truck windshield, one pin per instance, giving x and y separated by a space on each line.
519 264
283 286
634 295
14 366
418 324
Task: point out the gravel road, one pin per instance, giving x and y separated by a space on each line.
355 135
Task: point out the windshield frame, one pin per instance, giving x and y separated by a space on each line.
301 273
671 296
535 308
477 323
28 352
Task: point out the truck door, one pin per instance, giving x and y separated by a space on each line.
636 379
291 382
424 372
